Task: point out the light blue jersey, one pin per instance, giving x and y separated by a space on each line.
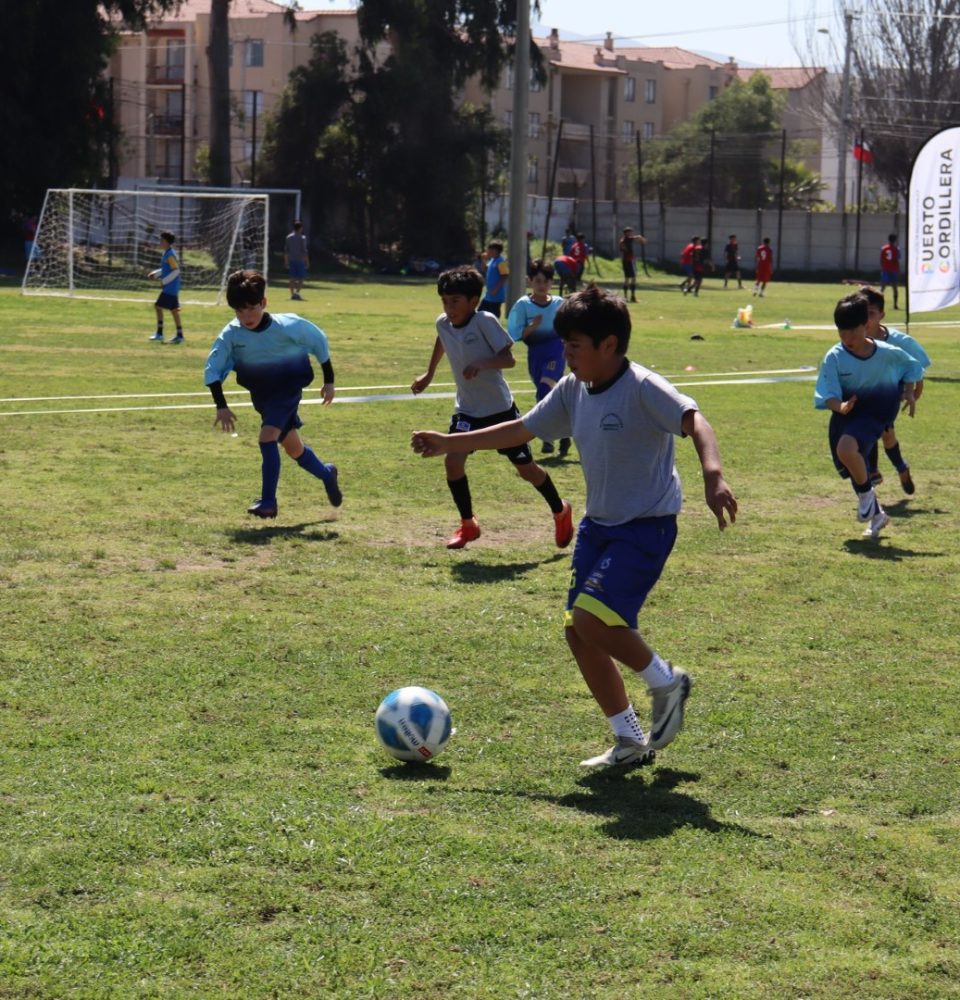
522 313
876 380
271 361
170 272
906 343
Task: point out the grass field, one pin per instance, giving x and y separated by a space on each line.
192 800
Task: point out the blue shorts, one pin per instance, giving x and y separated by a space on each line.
563 270
545 361
614 568
865 428
167 301
687 269
629 268
460 423
889 278
298 269
279 411
494 308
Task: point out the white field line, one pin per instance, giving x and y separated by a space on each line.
387 398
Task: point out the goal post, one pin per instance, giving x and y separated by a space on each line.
100 244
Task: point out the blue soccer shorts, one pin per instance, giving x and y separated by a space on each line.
545 362
865 428
615 567
279 411
298 269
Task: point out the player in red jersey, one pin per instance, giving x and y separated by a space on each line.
764 267
890 266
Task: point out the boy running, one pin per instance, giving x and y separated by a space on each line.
169 298
479 349
861 381
271 355
624 419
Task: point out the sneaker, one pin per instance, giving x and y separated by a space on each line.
906 481
563 526
263 509
668 705
867 506
296 297
547 448
156 336
876 477
469 531
627 752
178 339
564 447
332 486
879 521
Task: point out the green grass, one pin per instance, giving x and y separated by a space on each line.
192 801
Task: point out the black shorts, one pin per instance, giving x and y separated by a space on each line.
494 308
629 268
460 423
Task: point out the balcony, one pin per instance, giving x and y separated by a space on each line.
166 73
165 124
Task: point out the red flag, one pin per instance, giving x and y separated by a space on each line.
863 152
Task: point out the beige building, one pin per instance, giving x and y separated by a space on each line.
162 90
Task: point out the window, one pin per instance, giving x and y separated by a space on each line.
648 130
535 85
252 104
508 119
650 91
254 52
712 93
176 50
533 124
630 88
508 82
628 132
532 170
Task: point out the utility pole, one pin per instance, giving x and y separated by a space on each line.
517 230
843 151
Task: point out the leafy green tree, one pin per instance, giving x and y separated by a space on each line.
55 118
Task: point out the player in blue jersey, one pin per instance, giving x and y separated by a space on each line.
169 298
862 382
270 354
877 331
623 418
531 320
479 349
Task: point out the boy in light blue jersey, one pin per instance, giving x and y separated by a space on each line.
623 418
531 320
479 350
877 331
169 298
495 282
862 382
271 357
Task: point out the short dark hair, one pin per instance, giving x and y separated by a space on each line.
168 236
298 224
597 314
892 237
851 312
245 288
732 236
495 245
873 297
766 239
463 280
580 236
540 266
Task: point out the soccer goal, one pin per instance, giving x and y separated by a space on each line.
104 244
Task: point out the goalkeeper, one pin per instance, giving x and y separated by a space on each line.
271 356
169 298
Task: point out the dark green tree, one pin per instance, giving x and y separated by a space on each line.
56 117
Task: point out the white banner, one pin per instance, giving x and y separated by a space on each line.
933 251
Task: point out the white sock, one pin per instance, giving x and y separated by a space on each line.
658 673
867 500
626 724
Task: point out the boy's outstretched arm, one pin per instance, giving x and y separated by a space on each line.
719 496
419 384
429 444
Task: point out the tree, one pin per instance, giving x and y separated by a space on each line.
56 117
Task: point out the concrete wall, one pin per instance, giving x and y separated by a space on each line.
808 241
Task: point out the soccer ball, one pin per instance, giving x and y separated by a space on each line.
413 723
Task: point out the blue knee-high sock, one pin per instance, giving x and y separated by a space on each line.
308 460
270 470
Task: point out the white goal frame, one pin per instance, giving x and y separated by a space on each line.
68 252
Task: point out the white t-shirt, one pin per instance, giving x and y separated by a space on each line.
480 338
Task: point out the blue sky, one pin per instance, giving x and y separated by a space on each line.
756 32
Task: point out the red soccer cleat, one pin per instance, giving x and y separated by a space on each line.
469 531
563 526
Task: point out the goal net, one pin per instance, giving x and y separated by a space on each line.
104 244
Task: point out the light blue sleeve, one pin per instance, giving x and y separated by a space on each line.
517 320
828 382
911 369
220 359
907 343
313 339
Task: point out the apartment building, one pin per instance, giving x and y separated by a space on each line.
161 83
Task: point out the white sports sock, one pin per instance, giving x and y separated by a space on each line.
626 724
866 501
658 673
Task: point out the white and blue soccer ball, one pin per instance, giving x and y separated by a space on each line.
413 723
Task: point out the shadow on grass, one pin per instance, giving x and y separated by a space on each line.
416 772
877 548
903 508
641 810
471 571
264 534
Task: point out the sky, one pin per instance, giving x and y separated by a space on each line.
755 32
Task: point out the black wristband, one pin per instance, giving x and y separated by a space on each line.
327 372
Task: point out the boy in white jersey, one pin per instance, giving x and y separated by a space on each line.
877 331
623 418
271 357
479 349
